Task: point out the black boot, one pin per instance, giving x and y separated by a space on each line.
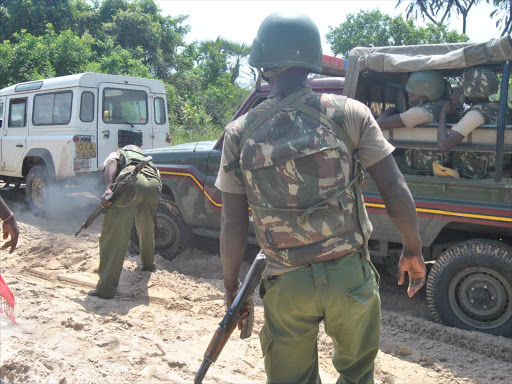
95 293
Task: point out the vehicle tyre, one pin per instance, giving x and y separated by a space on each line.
470 287
36 190
172 233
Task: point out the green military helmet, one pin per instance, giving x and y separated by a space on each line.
479 82
287 40
429 84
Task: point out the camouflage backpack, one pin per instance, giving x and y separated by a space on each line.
302 181
129 158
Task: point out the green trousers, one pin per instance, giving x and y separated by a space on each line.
344 294
138 201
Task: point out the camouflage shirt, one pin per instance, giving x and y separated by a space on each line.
297 177
475 165
419 161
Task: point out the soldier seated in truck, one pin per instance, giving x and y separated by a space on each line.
477 83
426 91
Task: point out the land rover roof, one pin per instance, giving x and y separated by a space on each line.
87 79
412 58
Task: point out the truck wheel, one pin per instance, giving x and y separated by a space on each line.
170 239
37 188
470 287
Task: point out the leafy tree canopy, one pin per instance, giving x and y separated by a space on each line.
47 38
375 28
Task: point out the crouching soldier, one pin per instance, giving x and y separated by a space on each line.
138 201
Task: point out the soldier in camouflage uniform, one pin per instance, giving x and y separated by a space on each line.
477 83
138 201
425 90
296 160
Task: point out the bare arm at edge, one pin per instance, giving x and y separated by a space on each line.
387 121
402 212
445 140
9 227
109 174
233 239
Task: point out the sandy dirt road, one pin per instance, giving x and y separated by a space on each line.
158 326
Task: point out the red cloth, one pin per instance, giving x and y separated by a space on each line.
6 301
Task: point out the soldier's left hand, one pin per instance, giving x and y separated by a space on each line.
414 265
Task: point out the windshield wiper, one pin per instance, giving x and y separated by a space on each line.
123 121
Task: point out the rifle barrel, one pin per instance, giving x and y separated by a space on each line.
202 371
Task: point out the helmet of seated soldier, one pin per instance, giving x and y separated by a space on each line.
429 84
287 39
479 82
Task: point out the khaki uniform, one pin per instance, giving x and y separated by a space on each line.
295 172
138 202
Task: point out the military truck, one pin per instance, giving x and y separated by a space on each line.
465 224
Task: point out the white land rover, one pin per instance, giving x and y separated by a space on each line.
65 127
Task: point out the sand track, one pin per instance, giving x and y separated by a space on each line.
158 326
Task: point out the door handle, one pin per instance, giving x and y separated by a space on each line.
19 145
106 133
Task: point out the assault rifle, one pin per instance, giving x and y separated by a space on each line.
118 190
232 316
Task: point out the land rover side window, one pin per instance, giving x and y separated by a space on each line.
125 106
87 107
159 110
18 113
52 108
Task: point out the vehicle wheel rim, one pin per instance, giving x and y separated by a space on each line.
38 193
481 297
168 235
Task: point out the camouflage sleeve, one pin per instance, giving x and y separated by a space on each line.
365 133
416 116
228 181
469 122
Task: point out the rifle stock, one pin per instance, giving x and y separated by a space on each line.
115 194
231 318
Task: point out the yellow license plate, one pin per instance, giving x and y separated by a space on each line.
85 149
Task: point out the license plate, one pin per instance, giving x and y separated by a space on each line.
85 149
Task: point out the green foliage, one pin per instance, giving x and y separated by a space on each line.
27 58
375 28
119 61
47 38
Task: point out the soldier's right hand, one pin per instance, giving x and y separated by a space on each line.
106 196
412 262
229 297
